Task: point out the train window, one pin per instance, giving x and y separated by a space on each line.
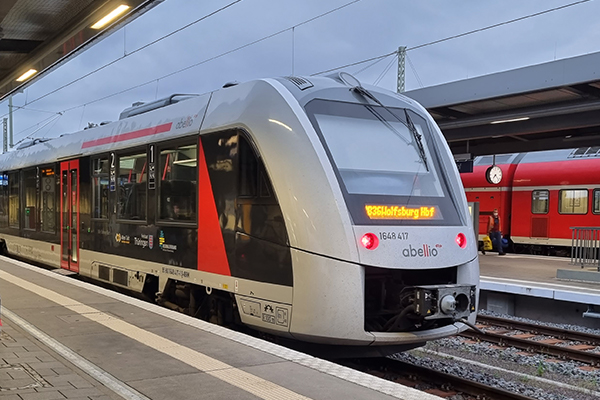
178 184
253 180
131 201
100 187
573 201
248 170
3 200
13 199
596 209
30 181
48 201
539 201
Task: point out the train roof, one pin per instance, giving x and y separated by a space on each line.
176 116
541 156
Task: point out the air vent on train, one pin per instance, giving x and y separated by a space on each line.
300 82
141 107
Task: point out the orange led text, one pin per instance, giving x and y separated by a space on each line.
396 212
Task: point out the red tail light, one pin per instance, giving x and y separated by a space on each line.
369 241
461 240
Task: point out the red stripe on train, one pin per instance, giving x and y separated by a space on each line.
211 248
128 136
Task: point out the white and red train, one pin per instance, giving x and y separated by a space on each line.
540 195
313 209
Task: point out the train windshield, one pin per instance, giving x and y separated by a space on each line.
379 157
385 160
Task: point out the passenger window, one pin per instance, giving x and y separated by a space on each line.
539 201
131 203
48 201
178 183
3 200
100 187
30 180
13 199
573 201
596 209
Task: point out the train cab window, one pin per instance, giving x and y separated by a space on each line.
539 202
3 200
573 201
100 187
48 200
131 200
13 200
253 181
29 216
178 183
248 170
596 209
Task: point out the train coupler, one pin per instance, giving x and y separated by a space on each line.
445 301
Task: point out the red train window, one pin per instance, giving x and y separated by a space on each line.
539 201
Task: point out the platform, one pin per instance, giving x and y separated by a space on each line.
67 339
527 285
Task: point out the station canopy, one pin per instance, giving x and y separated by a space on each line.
555 105
39 35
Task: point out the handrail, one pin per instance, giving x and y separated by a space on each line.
585 246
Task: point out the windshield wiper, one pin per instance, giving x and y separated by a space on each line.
411 127
418 139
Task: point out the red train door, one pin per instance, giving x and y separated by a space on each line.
69 215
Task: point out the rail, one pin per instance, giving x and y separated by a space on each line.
585 246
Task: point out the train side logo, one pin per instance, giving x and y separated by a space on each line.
425 251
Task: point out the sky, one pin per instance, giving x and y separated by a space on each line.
358 31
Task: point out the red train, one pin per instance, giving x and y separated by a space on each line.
540 196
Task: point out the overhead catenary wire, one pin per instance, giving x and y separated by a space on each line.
209 59
189 66
456 36
414 70
133 52
376 58
385 71
371 65
47 121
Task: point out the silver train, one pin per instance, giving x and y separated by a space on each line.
314 209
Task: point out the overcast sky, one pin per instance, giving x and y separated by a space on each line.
365 29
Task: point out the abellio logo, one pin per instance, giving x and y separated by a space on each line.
425 251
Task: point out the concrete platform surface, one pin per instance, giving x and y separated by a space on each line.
535 276
66 339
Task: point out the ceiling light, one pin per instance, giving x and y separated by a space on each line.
111 16
510 120
27 75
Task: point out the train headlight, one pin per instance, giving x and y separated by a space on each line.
461 240
369 241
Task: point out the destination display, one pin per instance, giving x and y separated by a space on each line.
402 212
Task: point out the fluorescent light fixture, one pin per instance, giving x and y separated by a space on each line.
27 75
510 120
111 16
280 123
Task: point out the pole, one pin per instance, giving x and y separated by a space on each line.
401 68
10 120
5 135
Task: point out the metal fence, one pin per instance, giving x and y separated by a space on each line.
585 246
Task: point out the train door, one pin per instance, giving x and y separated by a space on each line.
69 215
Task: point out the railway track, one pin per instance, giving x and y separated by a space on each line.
548 346
447 384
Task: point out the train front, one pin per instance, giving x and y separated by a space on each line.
410 273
